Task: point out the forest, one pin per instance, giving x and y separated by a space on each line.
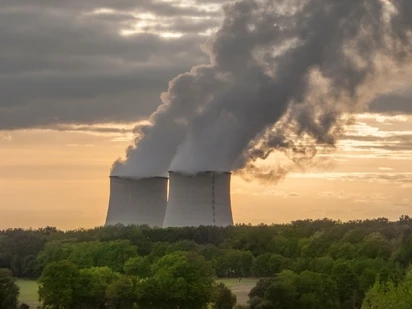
322 264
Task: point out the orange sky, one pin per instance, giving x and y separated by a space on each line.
61 179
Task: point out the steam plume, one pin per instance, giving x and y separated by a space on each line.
282 73
156 142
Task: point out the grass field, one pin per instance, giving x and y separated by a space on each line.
240 289
28 292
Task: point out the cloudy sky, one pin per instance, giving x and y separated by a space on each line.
75 76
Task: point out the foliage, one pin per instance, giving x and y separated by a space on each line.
180 280
112 254
234 263
95 282
138 266
121 293
223 298
60 285
389 295
9 291
297 262
289 290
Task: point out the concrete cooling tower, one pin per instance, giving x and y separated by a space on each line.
201 199
137 201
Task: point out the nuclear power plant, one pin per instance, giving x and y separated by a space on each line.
137 201
200 199
194 200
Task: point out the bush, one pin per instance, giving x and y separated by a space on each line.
223 298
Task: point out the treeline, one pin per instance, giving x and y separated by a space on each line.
304 264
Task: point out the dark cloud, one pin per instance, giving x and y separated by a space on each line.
402 180
394 103
62 63
391 141
90 129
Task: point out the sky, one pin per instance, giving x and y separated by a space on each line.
76 76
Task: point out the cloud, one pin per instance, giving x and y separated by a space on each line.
88 62
356 197
292 194
266 193
68 62
77 145
5 138
402 180
385 169
399 102
377 136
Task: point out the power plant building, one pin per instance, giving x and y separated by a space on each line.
137 201
200 199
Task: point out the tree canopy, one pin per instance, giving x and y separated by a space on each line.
304 264
9 291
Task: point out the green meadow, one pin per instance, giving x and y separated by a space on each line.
240 288
28 292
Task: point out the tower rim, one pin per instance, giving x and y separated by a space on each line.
137 178
171 172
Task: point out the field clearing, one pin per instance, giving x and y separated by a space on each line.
240 289
28 292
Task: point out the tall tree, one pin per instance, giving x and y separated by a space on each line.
180 280
121 293
95 282
60 286
9 291
223 298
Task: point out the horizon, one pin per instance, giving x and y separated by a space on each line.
337 221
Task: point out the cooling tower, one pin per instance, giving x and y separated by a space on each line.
137 201
201 199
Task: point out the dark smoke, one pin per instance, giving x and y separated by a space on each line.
282 74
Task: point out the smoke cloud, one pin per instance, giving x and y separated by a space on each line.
157 141
281 76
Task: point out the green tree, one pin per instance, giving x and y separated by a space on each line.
260 288
223 298
283 292
375 245
286 246
234 263
388 295
260 267
255 301
276 264
347 283
317 291
138 266
9 291
54 251
344 250
94 282
180 280
60 286
322 265
115 253
121 293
